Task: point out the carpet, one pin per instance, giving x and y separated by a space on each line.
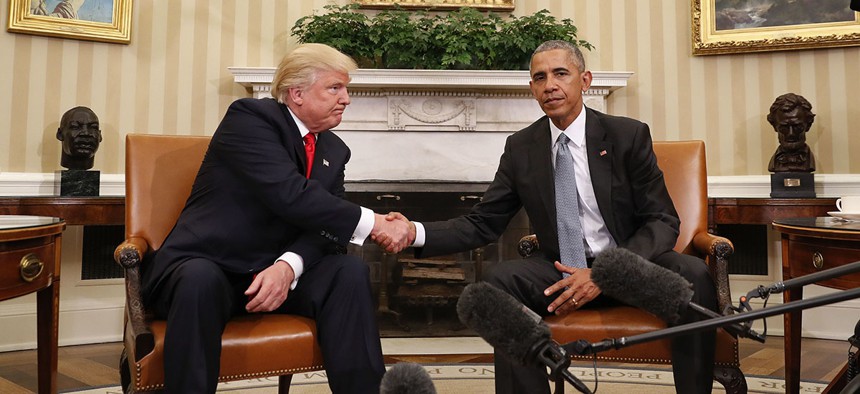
478 379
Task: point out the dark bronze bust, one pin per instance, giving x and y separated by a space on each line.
791 117
80 134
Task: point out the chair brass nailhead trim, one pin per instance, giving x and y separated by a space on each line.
291 371
228 378
654 360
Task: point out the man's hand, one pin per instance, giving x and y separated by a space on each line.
392 235
399 216
576 290
270 287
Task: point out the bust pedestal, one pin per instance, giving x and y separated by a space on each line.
792 185
79 183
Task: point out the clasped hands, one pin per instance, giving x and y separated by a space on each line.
392 232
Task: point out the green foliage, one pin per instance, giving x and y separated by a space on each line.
462 39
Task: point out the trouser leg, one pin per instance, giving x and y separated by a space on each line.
336 293
525 280
197 300
693 354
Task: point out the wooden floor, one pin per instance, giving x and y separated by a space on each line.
96 365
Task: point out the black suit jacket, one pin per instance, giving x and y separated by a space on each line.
628 185
250 202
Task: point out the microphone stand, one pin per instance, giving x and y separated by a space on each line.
583 347
556 360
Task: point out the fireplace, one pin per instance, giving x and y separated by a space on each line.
427 143
417 297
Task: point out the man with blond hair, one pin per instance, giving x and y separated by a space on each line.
265 230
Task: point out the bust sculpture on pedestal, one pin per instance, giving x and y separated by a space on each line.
793 162
80 134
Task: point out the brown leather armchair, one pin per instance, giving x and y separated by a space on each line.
159 173
685 173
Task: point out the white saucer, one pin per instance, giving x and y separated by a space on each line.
845 215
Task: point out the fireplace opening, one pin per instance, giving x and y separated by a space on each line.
418 297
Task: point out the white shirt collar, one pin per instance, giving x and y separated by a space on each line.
302 128
576 130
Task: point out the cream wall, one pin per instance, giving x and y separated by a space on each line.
173 79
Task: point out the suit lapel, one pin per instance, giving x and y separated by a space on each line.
600 154
320 166
294 138
540 158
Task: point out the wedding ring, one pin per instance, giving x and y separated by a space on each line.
574 301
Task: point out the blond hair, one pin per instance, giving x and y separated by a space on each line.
299 67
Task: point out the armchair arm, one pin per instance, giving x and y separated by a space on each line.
717 249
129 255
528 245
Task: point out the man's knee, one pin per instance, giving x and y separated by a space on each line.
498 274
199 278
352 269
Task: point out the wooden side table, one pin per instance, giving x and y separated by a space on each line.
731 210
108 210
30 262
811 245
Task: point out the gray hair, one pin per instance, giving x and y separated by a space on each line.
574 54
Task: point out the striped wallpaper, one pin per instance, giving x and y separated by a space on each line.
173 79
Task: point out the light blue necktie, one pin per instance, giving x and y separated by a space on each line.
570 241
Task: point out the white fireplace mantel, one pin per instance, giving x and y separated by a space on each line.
433 124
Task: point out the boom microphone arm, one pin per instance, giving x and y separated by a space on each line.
583 347
779 287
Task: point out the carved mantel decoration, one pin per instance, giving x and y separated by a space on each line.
451 100
419 119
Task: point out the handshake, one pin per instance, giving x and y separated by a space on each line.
392 232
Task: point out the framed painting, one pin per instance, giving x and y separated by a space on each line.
94 20
495 5
739 26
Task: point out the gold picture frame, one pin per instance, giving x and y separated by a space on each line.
720 29
101 20
493 5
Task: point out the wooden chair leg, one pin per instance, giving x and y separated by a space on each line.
284 384
732 379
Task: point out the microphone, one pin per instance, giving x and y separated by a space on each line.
407 378
629 278
514 330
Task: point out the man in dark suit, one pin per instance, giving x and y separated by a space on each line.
264 230
622 202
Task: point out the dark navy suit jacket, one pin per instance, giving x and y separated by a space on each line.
250 202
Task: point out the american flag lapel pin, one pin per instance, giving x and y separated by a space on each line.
603 153
325 162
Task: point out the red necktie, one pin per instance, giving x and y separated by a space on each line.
310 146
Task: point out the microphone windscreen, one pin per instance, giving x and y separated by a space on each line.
629 278
407 378
505 323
